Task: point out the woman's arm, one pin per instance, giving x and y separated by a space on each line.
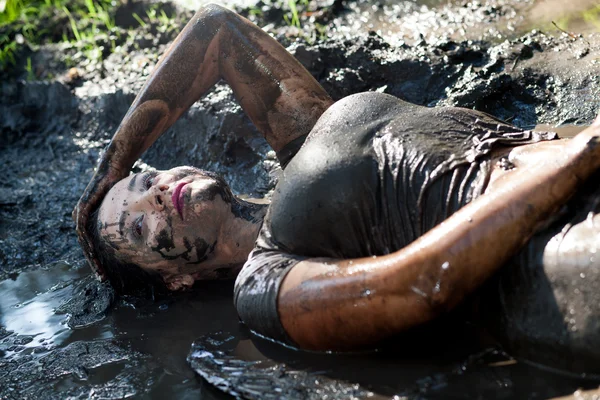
281 98
341 304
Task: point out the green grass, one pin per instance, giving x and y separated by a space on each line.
573 23
294 18
154 17
592 16
139 19
26 19
31 23
29 69
7 51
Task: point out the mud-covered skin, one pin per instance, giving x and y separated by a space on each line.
371 175
281 99
367 182
184 224
543 306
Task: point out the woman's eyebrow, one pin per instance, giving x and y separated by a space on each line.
122 219
131 185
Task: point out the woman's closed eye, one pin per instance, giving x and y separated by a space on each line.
137 227
148 180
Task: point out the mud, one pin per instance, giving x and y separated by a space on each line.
59 338
139 350
211 357
473 54
454 366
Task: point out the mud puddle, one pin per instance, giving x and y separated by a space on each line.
140 350
563 131
27 306
135 350
411 22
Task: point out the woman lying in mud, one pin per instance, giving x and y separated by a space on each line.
386 214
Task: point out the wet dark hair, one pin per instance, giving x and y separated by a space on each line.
126 278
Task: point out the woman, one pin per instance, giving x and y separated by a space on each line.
386 215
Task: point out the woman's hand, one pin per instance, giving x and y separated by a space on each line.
104 178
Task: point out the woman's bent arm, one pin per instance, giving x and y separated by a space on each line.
281 98
341 304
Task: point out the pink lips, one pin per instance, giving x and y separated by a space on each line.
177 198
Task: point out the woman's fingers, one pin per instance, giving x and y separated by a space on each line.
81 217
87 204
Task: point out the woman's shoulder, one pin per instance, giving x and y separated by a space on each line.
364 107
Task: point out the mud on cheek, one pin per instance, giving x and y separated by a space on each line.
203 249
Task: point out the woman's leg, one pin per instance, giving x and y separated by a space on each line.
281 98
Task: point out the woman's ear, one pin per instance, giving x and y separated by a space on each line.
179 282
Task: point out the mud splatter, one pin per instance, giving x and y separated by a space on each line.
247 211
203 250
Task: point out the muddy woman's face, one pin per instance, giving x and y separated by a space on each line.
168 221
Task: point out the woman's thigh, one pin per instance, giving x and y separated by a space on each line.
544 305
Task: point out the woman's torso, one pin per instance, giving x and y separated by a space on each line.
375 173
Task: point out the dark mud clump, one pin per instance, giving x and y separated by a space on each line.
40 162
90 303
523 80
76 371
211 358
420 365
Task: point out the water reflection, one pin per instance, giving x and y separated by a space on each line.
138 348
27 307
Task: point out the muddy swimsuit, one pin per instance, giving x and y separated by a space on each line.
374 174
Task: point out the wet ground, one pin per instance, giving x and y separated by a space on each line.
62 334
131 348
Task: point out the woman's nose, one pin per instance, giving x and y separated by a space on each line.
157 196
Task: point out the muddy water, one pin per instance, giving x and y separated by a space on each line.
564 131
153 339
140 350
